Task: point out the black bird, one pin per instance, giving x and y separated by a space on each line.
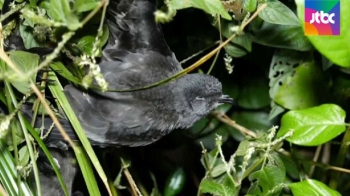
137 55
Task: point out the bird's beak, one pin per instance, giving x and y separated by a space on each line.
225 99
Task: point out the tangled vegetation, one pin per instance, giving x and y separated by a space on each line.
287 134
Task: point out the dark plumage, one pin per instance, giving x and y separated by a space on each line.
137 55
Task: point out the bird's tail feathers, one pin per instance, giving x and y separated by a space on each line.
133 27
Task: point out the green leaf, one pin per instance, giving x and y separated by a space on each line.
268 180
59 10
26 62
86 43
253 93
23 156
240 45
283 66
277 13
275 110
57 92
209 6
335 48
29 40
215 188
301 89
311 187
48 155
250 5
73 23
175 182
9 173
105 36
243 147
313 126
282 36
85 5
63 71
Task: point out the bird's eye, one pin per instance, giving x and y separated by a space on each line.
200 98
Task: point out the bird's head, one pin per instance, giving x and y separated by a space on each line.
199 95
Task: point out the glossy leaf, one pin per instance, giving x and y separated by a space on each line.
209 6
313 126
335 48
175 182
282 36
311 187
277 13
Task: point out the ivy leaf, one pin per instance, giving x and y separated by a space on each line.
215 188
313 126
277 13
25 62
311 187
335 48
209 6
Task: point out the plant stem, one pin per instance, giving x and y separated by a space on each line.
340 159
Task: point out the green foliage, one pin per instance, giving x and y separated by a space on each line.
175 182
209 6
313 126
277 13
26 62
292 95
335 48
311 187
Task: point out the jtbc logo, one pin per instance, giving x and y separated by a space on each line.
324 17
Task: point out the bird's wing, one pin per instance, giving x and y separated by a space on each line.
117 121
133 28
